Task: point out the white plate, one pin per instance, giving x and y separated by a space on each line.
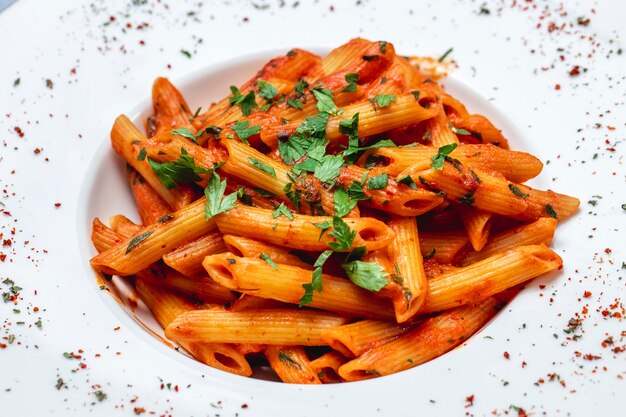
77 315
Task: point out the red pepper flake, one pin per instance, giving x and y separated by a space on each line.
139 410
83 365
587 294
36 309
3 257
506 355
117 328
557 87
574 71
19 131
469 400
37 151
608 251
57 204
591 357
49 84
583 21
244 406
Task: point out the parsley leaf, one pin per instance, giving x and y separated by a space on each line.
269 260
282 210
266 90
244 130
262 166
295 103
368 275
459 131
316 279
407 180
216 203
301 87
445 55
324 226
283 357
341 231
378 182
247 102
325 103
515 190
382 100
343 203
142 154
136 241
551 212
181 170
186 133
329 169
444 151
351 79
355 190
298 144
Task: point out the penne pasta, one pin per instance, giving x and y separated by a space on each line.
480 280
291 364
327 365
270 327
255 277
187 258
434 337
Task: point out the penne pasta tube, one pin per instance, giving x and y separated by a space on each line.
327 365
480 280
271 326
149 204
372 120
295 64
299 233
404 252
123 226
434 337
291 364
149 245
393 198
198 287
440 131
478 225
255 277
187 258
102 236
166 307
252 303
538 232
442 246
126 141
354 339
251 248
513 165
170 108
482 131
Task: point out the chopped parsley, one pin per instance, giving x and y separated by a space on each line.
325 103
551 212
181 170
244 130
247 102
316 279
268 260
343 203
295 103
351 79
377 182
342 233
368 275
440 157
467 199
216 203
266 90
262 166
134 242
186 133
382 100
282 210
301 87
142 154
329 169
283 357
515 190
407 180
445 54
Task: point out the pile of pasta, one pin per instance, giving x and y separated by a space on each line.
339 218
